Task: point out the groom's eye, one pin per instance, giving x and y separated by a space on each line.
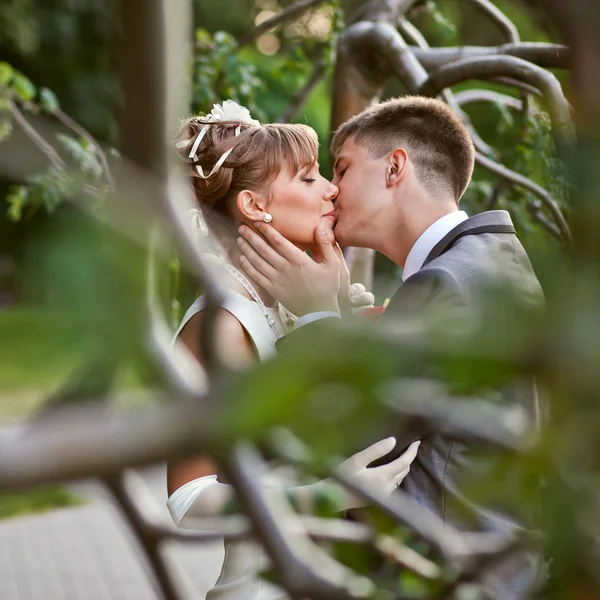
341 173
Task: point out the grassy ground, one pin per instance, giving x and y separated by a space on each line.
13 504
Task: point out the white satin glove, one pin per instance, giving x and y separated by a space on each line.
360 298
384 478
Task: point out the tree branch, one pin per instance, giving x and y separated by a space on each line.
521 181
549 56
281 532
166 584
502 66
519 85
304 93
473 96
34 136
291 12
535 209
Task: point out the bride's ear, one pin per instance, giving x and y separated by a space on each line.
251 205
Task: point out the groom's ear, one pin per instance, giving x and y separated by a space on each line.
252 206
396 170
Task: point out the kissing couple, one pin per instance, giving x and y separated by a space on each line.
401 168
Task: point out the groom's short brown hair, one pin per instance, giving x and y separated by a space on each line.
435 138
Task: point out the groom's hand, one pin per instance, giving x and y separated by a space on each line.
290 275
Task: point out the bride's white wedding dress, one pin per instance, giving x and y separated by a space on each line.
243 561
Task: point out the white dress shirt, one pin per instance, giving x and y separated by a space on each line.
428 240
415 259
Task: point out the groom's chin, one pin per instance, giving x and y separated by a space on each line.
340 238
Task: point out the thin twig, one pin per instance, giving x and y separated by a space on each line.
34 136
71 124
291 12
304 93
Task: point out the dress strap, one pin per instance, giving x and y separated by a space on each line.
250 316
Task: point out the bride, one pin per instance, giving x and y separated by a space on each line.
242 173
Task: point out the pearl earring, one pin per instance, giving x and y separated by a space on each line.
267 217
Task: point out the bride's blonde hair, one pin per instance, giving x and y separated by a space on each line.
258 154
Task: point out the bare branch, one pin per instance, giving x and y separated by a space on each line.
502 66
105 442
284 539
473 96
535 209
145 101
526 183
304 93
504 24
166 584
467 418
289 13
549 56
34 136
446 540
519 85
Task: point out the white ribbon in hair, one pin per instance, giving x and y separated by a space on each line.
229 111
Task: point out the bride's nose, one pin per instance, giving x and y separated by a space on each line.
331 193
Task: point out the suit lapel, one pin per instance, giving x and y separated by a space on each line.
492 221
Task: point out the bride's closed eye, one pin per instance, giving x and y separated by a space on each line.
308 180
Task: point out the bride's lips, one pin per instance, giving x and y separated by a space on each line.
329 214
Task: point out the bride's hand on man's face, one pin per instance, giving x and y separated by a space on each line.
301 284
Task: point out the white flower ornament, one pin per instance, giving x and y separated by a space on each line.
232 111
229 111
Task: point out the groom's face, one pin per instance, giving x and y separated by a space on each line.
360 179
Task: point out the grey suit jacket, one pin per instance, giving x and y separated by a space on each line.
480 251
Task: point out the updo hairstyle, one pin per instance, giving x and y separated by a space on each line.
258 155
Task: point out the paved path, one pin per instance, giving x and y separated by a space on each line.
88 553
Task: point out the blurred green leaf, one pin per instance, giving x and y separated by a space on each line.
48 100
6 73
23 87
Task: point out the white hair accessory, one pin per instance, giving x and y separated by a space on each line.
229 111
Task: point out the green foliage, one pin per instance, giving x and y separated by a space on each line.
445 29
80 166
220 73
39 500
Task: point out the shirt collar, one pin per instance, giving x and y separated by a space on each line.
428 239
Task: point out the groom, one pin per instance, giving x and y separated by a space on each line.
402 167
